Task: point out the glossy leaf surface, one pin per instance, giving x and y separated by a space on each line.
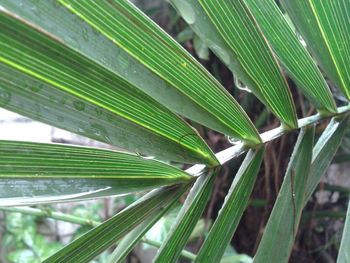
50 64
325 27
294 57
41 173
236 25
130 29
229 216
282 226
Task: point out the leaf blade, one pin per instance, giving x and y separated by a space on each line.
325 27
286 213
236 25
80 36
101 237
287 47
41 173
324 151
29 50
144 40
186 220
221 233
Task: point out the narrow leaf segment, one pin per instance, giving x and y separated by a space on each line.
29 50
130 29
231 212
237 26
281 229
206 30
325 27
106 234
294 57
187 219
77 34
324 151
42 173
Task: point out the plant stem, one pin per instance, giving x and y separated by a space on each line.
79 221
322 214
158 244
239 148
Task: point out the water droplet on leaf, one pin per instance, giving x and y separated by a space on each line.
85 34
5 97
241 86
232 140
37 87
78 105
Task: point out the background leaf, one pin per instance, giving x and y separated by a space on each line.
344 252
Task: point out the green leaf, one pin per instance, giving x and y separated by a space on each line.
187 219
106 234
229 216
36 173
281 229
325 27
294 57
236 25
324 151
344 251
131 30
57 69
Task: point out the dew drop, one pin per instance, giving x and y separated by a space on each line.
5 97
36 87
301 40
146 157
232 140
85 34
60 118
241 86
98 112
185 10
100 132
78 105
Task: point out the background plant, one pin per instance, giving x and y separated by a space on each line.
106 71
